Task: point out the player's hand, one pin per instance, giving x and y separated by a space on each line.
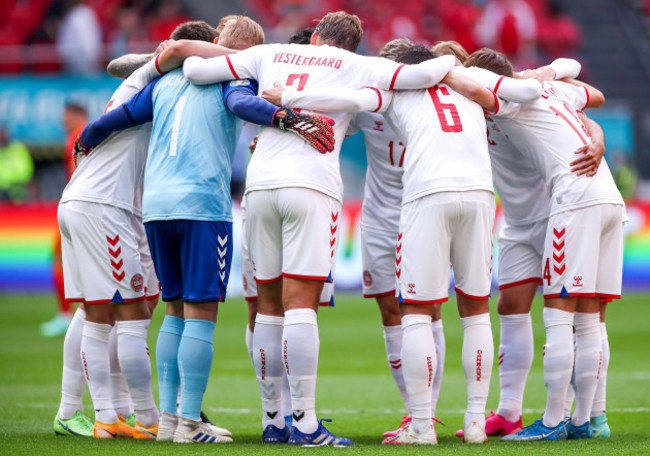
253 145
164 45
316 130
274 95
541 74
79 150
589 162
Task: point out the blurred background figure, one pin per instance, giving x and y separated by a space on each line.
75 119
79 40
16 168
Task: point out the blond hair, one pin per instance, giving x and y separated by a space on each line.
450 48
340 29
224 20
241 32
394 47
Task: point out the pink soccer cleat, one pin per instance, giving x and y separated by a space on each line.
406 420
498 425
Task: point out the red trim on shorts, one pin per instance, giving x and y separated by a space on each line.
380 295
267 280
232 69
101 301
71 300
304 277
496 86
478 298
129 301
435 301
572 295
157 66
521 282
250 298
324 304
156 296
608 296
392 82
606 300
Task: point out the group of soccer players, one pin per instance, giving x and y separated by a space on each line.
442 129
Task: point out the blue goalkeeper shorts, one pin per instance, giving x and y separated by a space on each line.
192 258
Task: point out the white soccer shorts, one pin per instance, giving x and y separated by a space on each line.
439 229
101 260
583 253
378 260
151 283
292 232
520 253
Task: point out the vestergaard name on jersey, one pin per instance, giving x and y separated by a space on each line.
296 59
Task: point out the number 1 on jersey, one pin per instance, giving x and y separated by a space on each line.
178 113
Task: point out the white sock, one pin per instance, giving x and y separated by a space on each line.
134 359
598 408
269 368
249 342
95 359
119 389
393 343
571 389
478 357
587 363
300 344
418 367
515 359
73 382
286 394
439 340
558 362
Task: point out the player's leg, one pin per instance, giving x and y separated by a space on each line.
439 341
471 257
204 285
59 324
598 418
119 389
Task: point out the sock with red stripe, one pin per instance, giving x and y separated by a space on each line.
393 343
269 368
477 358
439 340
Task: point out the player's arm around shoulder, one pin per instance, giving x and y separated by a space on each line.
470 89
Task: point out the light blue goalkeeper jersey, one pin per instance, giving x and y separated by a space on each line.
193 139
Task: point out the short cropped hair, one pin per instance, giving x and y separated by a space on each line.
194 30
491 60
340 29
224 20
414 55
76 108
394 47
450 48
302 36
241 32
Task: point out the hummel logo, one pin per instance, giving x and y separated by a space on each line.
222 241
271 414
298 416
222 253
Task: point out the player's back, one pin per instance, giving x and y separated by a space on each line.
548 131
447 146
190 154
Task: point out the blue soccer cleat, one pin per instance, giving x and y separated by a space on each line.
578 432
599 427
273 434
321 437
537 431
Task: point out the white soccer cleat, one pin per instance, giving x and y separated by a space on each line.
407 437
167 425
474 432
190 431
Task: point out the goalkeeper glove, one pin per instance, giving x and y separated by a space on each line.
316 130
79 150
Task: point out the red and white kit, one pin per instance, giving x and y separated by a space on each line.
382 201
584 239
104 244
285 174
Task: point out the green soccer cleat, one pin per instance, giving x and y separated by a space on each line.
79 425
599 427
57 326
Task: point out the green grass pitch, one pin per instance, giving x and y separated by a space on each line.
355 387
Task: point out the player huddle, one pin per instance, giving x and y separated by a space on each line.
442 130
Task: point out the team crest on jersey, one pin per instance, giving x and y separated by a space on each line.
240 83
137 283
577 281
367 278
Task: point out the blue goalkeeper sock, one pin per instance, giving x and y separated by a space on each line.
169 379
194 361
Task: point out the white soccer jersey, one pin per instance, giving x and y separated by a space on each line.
548 131
385 152
283 160
439 159
113 172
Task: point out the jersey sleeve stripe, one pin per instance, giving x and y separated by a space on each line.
496 86
587 103
392 83
496 100
158 66
381 101
232 69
